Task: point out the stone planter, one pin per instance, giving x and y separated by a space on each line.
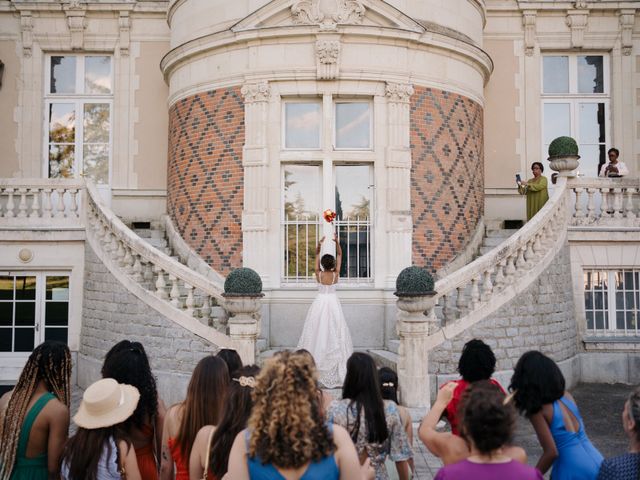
564 164
244 323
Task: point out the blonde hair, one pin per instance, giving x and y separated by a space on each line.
286 424
49 362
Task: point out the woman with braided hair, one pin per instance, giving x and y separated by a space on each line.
627 466
34 416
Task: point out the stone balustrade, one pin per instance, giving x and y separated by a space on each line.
55 203
605 202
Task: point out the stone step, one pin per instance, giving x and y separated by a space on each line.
492 224
493 241
385 358
502 233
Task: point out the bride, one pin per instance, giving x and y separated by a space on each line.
325 334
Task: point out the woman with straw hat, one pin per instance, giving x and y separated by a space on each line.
99 451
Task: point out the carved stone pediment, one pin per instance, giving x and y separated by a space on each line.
327 12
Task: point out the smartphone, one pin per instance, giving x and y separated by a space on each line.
518 179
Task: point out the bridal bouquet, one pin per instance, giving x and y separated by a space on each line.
329 215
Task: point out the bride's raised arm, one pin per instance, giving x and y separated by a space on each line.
318 259
338 254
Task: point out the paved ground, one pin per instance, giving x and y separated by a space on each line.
600 405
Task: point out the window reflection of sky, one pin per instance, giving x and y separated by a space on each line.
353 123
303 122
97 75
302 182
63 74
590 74
556 74
557 121
352 182
61 122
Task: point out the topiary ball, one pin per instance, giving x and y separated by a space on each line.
563 146
243 282
414 281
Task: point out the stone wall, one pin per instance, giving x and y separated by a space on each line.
205 178
447 174
110 313
542 318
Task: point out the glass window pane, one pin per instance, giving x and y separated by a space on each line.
628 301
6 313
96 163
302 125
63 74
302 192
58 288
5 339
6 288
62 123
590 74
25 288
57 334
353 195
96 123
589 316
590 157
56 313
588 300
598 299
620 320
557 121
97 75
25 313
555 74
23 339
591 118
599 321
353 125
631 320
61 160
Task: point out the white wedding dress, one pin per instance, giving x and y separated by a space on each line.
326 336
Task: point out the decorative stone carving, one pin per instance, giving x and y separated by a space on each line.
25 255
124 23
399 92
76 22
256 92
577 21
529 24
627 20
327 55
26 25
327 13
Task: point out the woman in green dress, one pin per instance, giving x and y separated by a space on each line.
535 189
34 416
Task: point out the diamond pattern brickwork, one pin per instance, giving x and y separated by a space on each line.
447 174
205 177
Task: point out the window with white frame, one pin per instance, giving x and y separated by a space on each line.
78 109
320 173
34 307
612 301
575 102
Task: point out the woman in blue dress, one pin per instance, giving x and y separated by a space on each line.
538 388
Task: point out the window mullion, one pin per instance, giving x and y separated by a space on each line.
611 307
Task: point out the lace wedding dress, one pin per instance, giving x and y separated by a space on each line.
326 336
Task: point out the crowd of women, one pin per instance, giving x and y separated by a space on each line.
242 422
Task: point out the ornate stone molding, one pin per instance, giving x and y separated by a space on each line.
399 92
529 23
577 21
627 20
26 25
76 22
327 59
124 25
255 92
327 14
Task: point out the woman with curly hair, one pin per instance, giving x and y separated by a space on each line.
206 394
34 416
127 363
287 435
210 452
487 424
374 424
539 393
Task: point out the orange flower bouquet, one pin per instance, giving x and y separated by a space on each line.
329 215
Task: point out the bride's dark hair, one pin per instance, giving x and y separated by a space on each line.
328 262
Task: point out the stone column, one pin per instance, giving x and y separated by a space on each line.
244 324
255 158
398 169
414 327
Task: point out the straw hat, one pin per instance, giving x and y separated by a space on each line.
106 403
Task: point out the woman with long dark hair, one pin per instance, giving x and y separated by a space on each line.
538 388
100 449
127 363
206 393
211 448
34 416
374 424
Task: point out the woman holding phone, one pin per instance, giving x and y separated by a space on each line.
535 189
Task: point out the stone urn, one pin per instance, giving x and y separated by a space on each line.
563 155
242 300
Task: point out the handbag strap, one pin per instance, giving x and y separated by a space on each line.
208 457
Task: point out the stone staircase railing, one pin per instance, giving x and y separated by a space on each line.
603 202
171 288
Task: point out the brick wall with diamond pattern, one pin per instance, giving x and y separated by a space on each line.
447 175
205 177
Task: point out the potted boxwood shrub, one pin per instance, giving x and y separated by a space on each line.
563 154
414 282
243 282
